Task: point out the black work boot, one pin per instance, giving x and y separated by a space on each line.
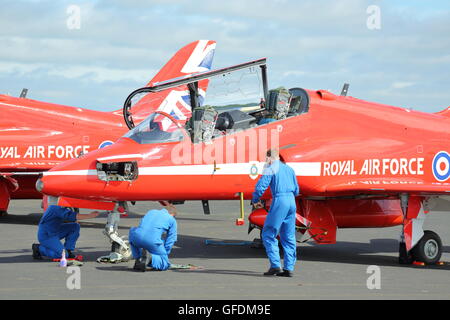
139 266
272 271
285 273
36 253
70 254
141 263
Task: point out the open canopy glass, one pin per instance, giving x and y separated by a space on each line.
157 128
211 104
241 86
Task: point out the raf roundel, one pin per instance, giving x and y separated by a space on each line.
253 170
105 144
441 166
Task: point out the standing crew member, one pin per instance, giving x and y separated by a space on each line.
56 224
148 237
281 217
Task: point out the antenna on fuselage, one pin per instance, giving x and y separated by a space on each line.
345 89
24 92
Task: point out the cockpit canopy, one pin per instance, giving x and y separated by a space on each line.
237 99
159 127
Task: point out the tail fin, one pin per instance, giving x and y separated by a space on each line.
445 112
193 58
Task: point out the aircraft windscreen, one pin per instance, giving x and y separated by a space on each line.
146 101
157 128
238 89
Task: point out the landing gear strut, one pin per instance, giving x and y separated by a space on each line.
404 257
119 244
416 244
122 248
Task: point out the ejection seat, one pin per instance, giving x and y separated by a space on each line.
202 124
299 102
277 105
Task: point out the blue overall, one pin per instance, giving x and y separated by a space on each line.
281 217
52 228
148 235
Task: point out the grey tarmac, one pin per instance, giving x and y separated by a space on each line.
337 271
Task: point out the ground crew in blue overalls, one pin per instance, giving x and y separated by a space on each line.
147 245
281 217
56 224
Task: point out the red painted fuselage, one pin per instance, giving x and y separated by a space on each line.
352 159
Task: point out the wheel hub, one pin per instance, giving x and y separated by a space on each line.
431 248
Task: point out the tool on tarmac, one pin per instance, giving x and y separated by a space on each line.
113 257
185 267
227 243
77 258
63 261
74 263
240 221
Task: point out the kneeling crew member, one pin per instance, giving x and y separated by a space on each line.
56 224
281 217
148 237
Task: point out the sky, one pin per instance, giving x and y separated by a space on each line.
395 52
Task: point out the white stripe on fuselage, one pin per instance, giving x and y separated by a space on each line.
301 169
71 173
306 169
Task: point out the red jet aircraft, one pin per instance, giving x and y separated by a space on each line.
35 136
359 164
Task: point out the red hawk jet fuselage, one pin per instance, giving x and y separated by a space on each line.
358 164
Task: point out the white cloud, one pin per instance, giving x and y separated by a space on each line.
81 72
101 75
401 85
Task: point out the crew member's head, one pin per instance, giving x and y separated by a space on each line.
272 155
171 209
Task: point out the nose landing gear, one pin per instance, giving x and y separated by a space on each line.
120 245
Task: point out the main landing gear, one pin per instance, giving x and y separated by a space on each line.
417 245
428 249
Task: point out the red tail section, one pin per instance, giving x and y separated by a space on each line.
445 112
193 58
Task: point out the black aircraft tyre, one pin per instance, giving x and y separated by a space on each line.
428 249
